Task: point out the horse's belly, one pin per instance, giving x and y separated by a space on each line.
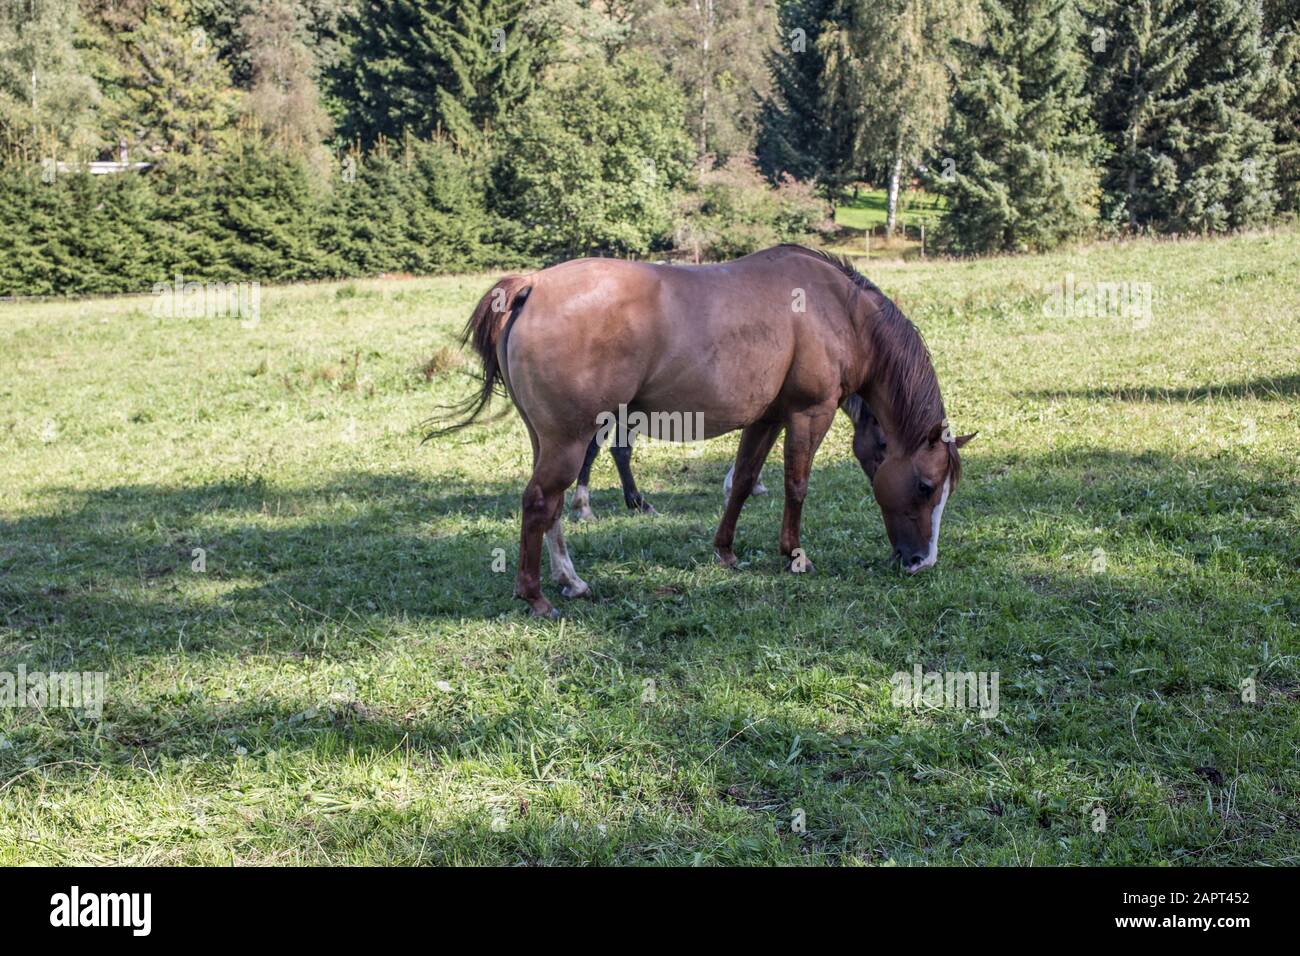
698 421
724 382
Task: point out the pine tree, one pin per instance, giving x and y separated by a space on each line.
177 93
1281 106
430 66
369 224
75 234
451 228
190 235
19 228
50 269
794 134
268 209
1019 158
417 206
110 237
1232 163
1179 85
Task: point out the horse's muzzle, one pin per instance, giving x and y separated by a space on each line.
914 562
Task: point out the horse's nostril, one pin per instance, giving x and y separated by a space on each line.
916 559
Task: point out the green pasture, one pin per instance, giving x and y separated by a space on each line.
310 657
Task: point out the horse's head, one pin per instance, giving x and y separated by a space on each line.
912 489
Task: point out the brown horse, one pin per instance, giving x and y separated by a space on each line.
774 341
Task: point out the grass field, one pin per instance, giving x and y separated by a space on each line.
349 680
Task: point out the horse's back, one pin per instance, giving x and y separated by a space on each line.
718 340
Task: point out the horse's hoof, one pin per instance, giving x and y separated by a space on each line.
726 558
799 563
542 608
759 488
584 514
583 592
647 508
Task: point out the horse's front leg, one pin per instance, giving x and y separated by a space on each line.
623 460
759 487
803 435
755 442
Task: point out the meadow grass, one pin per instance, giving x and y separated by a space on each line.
350 682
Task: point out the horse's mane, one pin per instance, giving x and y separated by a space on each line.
902 362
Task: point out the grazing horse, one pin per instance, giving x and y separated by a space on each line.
868 439
771 342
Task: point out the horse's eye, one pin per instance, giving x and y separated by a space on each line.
925 488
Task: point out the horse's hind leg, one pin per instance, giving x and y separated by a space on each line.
581 495
755 442
543 502
623 459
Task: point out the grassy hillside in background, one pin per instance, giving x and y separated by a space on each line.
349 680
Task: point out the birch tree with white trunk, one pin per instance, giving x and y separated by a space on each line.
890 66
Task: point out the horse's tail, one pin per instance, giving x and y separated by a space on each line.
484 329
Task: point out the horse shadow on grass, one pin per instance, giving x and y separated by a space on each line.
361 547
1264 388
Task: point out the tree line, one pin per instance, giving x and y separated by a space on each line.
284 140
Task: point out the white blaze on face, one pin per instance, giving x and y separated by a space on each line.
936 516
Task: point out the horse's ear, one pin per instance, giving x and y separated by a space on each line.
963 439
936 433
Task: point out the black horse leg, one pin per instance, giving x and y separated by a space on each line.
581 496
623 459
